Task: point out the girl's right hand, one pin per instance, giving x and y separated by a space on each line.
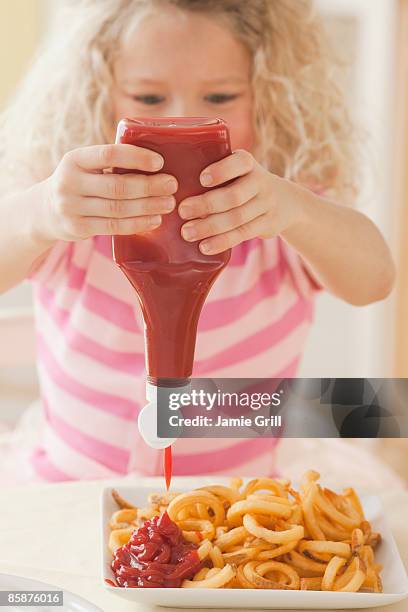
82 201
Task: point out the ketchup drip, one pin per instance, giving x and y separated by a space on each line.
168 465
156 556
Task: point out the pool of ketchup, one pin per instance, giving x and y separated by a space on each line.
172 277
156 556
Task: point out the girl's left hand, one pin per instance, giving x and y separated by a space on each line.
255 204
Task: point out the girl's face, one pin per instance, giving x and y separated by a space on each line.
185 65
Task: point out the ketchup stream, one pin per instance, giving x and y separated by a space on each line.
168 466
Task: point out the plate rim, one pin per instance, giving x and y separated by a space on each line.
52 587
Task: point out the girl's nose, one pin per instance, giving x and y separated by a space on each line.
181 108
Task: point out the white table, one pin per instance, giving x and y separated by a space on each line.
52 533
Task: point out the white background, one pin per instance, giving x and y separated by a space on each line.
349 341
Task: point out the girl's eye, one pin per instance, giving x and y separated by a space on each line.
220 98
149 99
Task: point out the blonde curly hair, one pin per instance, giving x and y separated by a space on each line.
302 125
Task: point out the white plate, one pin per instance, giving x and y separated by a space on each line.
72 603
394 576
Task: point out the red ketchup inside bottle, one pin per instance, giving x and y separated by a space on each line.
156 556
172 277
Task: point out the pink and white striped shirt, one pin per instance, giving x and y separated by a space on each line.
92 368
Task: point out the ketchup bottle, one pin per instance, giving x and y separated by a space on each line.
172 277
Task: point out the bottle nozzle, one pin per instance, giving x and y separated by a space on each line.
147 421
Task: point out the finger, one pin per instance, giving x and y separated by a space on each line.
225 241
239 163
127 186
85 227
99 157
219 200
120 209
222 222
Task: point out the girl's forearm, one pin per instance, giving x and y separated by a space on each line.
21 241
344 249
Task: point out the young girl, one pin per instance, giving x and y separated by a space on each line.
262 66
